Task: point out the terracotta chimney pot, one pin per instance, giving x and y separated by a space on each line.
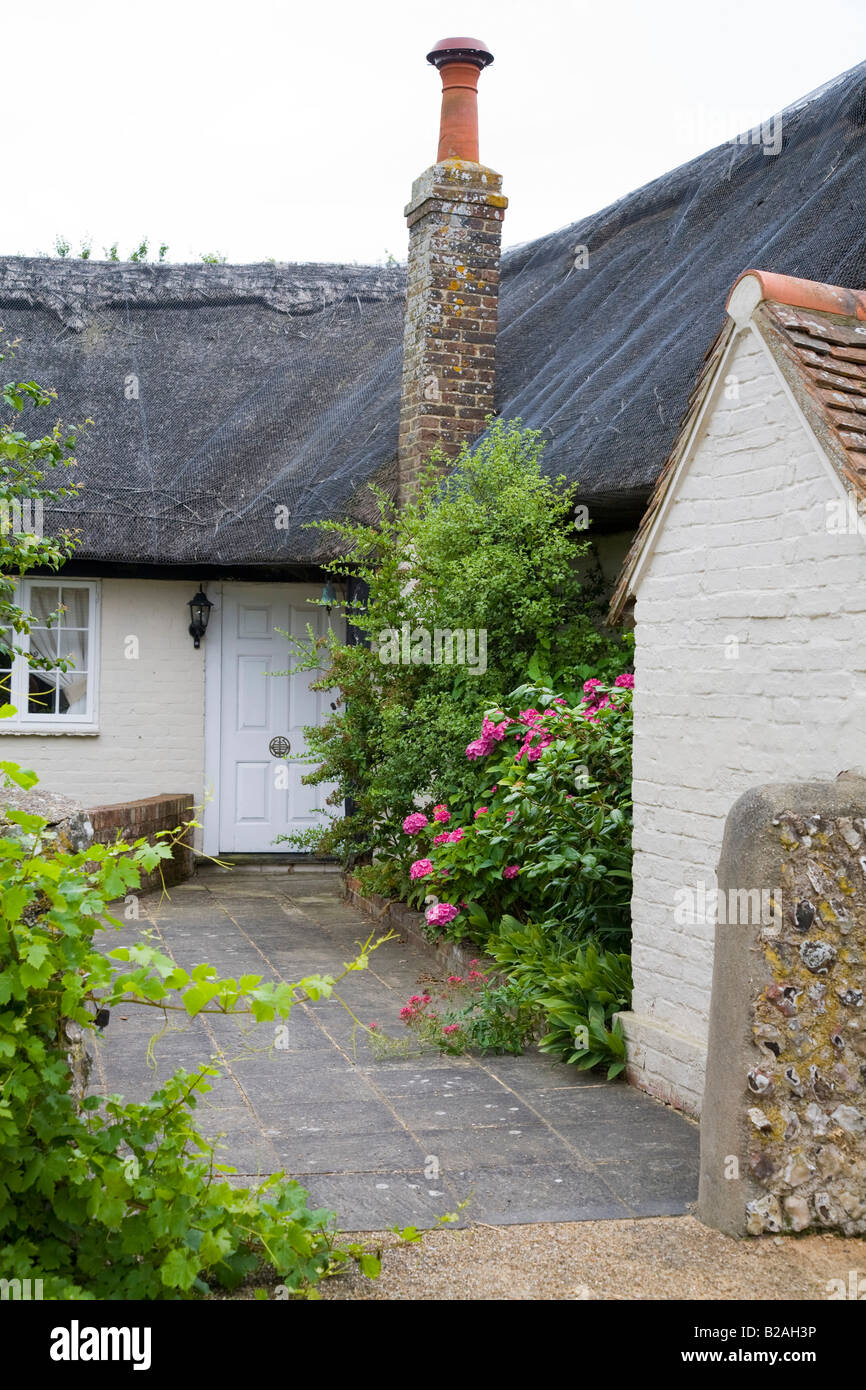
459 61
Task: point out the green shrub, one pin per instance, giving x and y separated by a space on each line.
490 548
473 1013
547 834
579 986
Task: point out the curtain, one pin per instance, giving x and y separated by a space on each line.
67 639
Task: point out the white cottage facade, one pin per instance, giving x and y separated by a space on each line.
749 581
149 715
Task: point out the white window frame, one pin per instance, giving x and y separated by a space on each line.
26 722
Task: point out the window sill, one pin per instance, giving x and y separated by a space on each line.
21 731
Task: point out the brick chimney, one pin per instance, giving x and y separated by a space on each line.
455 228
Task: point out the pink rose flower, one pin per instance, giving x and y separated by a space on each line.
440 914
421 868
412 824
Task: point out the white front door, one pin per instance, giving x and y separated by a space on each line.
261 795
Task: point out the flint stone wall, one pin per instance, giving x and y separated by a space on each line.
786 1077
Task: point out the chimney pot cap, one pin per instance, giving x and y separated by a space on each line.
460 50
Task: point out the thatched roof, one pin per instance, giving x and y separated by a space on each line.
218 394
278 385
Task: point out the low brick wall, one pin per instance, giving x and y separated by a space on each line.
451 955
130 820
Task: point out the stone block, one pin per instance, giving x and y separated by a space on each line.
783 1140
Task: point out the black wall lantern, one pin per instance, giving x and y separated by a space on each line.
199 608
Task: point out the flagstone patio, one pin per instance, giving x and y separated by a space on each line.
397 1141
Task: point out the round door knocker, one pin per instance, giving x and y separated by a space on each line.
279 746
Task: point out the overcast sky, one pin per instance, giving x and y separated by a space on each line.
294 131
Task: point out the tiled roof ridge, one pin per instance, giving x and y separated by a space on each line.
800 294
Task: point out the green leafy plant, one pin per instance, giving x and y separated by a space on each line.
579 986
138 253
548 831
490 547
501 1018
471 1013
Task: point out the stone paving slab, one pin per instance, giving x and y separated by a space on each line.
394 1141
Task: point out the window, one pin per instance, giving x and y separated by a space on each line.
64 628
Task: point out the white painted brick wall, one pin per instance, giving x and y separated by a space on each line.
745 552
151 722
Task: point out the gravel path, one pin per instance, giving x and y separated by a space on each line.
661 1258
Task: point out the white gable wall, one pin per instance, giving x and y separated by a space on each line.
744 552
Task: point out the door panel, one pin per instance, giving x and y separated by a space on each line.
255 684
262 796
